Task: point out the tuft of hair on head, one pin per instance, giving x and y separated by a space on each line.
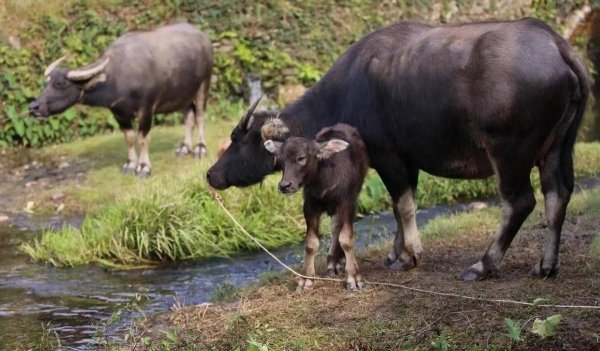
274 129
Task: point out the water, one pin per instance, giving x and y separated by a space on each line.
75 302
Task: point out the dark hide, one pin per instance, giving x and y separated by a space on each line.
331 174
464 101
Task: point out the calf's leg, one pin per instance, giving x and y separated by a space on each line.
312 217
353 278
335 257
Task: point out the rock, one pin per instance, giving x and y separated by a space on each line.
57 196
30 184
64 165
29 207
15 42
478 205
4 218
59 208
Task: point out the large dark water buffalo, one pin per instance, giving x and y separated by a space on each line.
462 101
140 74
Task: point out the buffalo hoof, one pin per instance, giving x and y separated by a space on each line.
183 150
128 168
400 264
475 272
199 151
304 285
355 286
143 170
338 270
542 270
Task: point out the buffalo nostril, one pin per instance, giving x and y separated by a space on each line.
208 174
34 105
284 185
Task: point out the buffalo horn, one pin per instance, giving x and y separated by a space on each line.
52 66
87 73
244 122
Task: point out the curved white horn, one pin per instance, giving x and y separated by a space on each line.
53 65
87 73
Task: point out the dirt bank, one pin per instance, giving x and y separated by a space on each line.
380 318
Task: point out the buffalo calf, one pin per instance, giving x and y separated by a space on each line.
331 168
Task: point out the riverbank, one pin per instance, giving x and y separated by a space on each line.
270 316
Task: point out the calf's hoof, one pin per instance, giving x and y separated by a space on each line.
199 151
338 269
128 168
475 272
304 284
355 286
143 170
543 270
183 150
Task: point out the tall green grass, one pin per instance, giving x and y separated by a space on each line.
176 219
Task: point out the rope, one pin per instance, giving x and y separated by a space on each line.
219 200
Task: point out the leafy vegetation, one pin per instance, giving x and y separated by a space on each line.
284 42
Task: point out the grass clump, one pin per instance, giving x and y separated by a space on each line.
170 221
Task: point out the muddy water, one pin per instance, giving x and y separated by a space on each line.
74 303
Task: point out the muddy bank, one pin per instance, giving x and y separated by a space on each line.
380 318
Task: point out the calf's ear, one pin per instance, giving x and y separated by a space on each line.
273 147
331 147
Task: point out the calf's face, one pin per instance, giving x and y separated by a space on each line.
300 158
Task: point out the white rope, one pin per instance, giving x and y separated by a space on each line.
392 285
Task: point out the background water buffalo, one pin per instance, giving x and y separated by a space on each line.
140 74
461 101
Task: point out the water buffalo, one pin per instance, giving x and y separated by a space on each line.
331 169
140 74
458 101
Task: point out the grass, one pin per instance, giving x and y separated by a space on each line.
269 316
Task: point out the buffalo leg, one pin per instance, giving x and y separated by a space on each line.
335 257
557 193
200 105
517 201
186 146
144 167
312 217
129 134
401 182
346 238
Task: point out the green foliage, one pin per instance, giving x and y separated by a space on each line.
547 327
172 220
441 343
514 329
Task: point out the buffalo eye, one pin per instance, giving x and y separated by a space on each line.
60 84
301 160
